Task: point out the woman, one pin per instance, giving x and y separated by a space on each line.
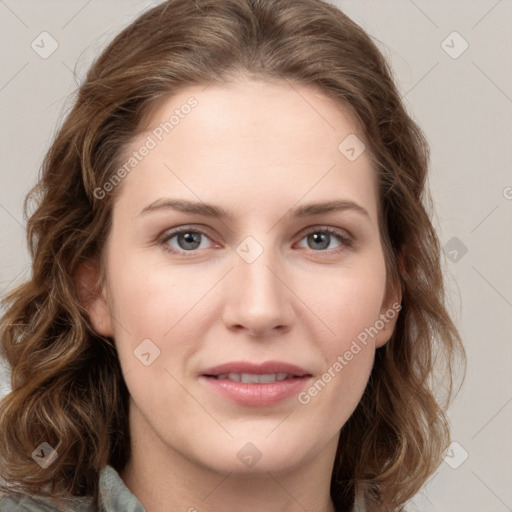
183 343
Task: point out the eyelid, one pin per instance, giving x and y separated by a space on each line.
342 233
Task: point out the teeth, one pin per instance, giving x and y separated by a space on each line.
267 377
251 378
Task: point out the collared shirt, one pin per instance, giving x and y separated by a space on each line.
114 497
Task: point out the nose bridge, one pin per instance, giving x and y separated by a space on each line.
259 300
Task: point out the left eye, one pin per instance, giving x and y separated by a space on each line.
189 240
322 238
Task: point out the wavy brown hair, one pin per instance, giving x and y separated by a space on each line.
67 384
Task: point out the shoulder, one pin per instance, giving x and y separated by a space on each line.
114 495
15 502
22 503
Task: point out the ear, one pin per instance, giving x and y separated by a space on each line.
390 310
93 297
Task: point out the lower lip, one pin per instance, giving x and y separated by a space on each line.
257 394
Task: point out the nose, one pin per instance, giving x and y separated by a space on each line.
259 300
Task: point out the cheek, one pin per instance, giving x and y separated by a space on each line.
346 303
162 305
346 345
151 299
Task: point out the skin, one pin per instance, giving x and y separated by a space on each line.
257 149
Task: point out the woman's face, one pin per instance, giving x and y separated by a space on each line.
209 322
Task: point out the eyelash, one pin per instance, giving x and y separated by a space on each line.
346 242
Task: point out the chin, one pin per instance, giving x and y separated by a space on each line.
257 455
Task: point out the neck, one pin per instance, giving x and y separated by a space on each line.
163 479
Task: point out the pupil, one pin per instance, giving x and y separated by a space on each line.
191 239
317 237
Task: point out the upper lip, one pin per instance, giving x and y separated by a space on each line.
257 369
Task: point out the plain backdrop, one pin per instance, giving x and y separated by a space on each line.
451 61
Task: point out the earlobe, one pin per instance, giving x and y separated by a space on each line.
93 297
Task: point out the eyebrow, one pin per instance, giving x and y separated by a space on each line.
210 210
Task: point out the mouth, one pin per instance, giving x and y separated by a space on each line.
280 369
252 384
254 378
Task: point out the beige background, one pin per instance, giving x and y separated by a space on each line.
464 105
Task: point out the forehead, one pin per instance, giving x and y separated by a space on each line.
254 108
254 143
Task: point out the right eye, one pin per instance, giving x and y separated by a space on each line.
187 240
